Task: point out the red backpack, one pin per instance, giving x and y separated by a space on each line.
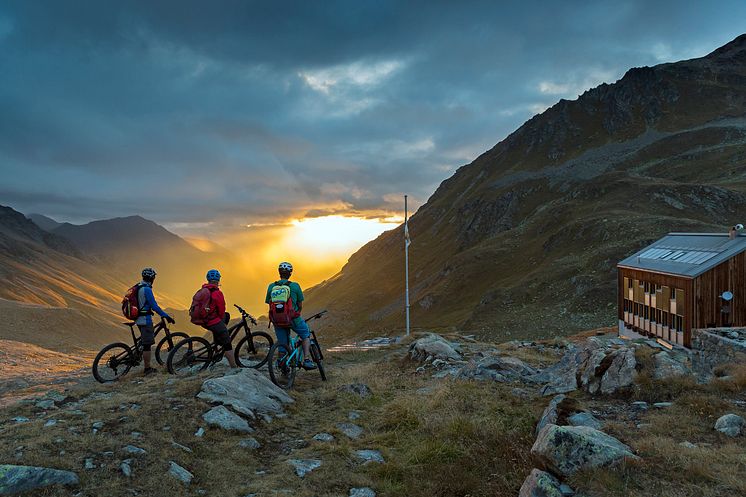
281 309
201 310
130 303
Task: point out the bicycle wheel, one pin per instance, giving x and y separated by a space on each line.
160 353
317 358
112 362
189 356
282 367
253 351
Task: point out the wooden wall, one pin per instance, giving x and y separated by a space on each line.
665 280
708 287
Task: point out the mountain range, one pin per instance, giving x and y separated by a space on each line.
523 241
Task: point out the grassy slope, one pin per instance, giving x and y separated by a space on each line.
524 240
452 438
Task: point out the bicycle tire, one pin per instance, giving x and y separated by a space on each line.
281 375
186 356
262 345
175 338
124 358
318 359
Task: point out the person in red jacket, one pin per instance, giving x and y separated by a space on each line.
216 322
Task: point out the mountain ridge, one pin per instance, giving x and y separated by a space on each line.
526 236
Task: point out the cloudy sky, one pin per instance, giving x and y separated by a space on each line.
210 115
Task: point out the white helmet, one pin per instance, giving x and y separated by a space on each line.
285 266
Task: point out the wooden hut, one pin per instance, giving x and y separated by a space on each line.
682 282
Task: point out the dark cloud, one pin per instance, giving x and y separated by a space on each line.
238 112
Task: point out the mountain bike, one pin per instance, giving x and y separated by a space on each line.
195 354
116 359
285 360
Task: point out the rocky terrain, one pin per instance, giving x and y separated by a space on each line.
589 416
523 242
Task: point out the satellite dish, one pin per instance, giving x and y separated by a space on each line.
727 296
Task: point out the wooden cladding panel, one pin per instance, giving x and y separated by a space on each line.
708 287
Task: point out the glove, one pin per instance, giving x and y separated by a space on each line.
170 320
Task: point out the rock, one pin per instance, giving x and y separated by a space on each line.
177 445
247 392
360 389
323 437
97 426
200 432
304 466
131 449
564 450
20 419
667 367
370 456
136 435
640 405
589 381
584 419
362 492
353 415
17 479
688 445
180 473
89 464
662 405
540 484
564 382
46 404
51 422
434 346
249 443
566 490
221 417
621 372
550 414
731 425
126 468
351 430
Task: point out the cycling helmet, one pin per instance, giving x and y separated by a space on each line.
213 275
286 266
148 274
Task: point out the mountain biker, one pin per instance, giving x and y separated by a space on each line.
216 319
298 324
144 321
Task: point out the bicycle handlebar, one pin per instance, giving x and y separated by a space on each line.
245 314
317 315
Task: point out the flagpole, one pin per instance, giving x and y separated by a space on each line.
406 260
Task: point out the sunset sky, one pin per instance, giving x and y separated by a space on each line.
230 119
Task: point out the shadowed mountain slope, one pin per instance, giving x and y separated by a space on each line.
523 241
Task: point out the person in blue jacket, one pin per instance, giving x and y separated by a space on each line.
148 306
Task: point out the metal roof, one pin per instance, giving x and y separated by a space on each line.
686 254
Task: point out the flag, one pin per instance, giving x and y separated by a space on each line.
407 241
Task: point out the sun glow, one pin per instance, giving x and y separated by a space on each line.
337 234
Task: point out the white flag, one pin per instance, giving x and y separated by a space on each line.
406 235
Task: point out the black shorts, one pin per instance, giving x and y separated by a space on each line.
147 334
220 334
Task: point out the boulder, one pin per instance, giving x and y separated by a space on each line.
180 473
247 392
564 381
564 450
351 430
433 346
304 466
540 484
17 479
362 492
323 437
584 419
731 425
621 372
550 414
221 417
249 443
668 367
369 456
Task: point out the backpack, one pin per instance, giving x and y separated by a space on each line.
130 304
201 311
281 310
